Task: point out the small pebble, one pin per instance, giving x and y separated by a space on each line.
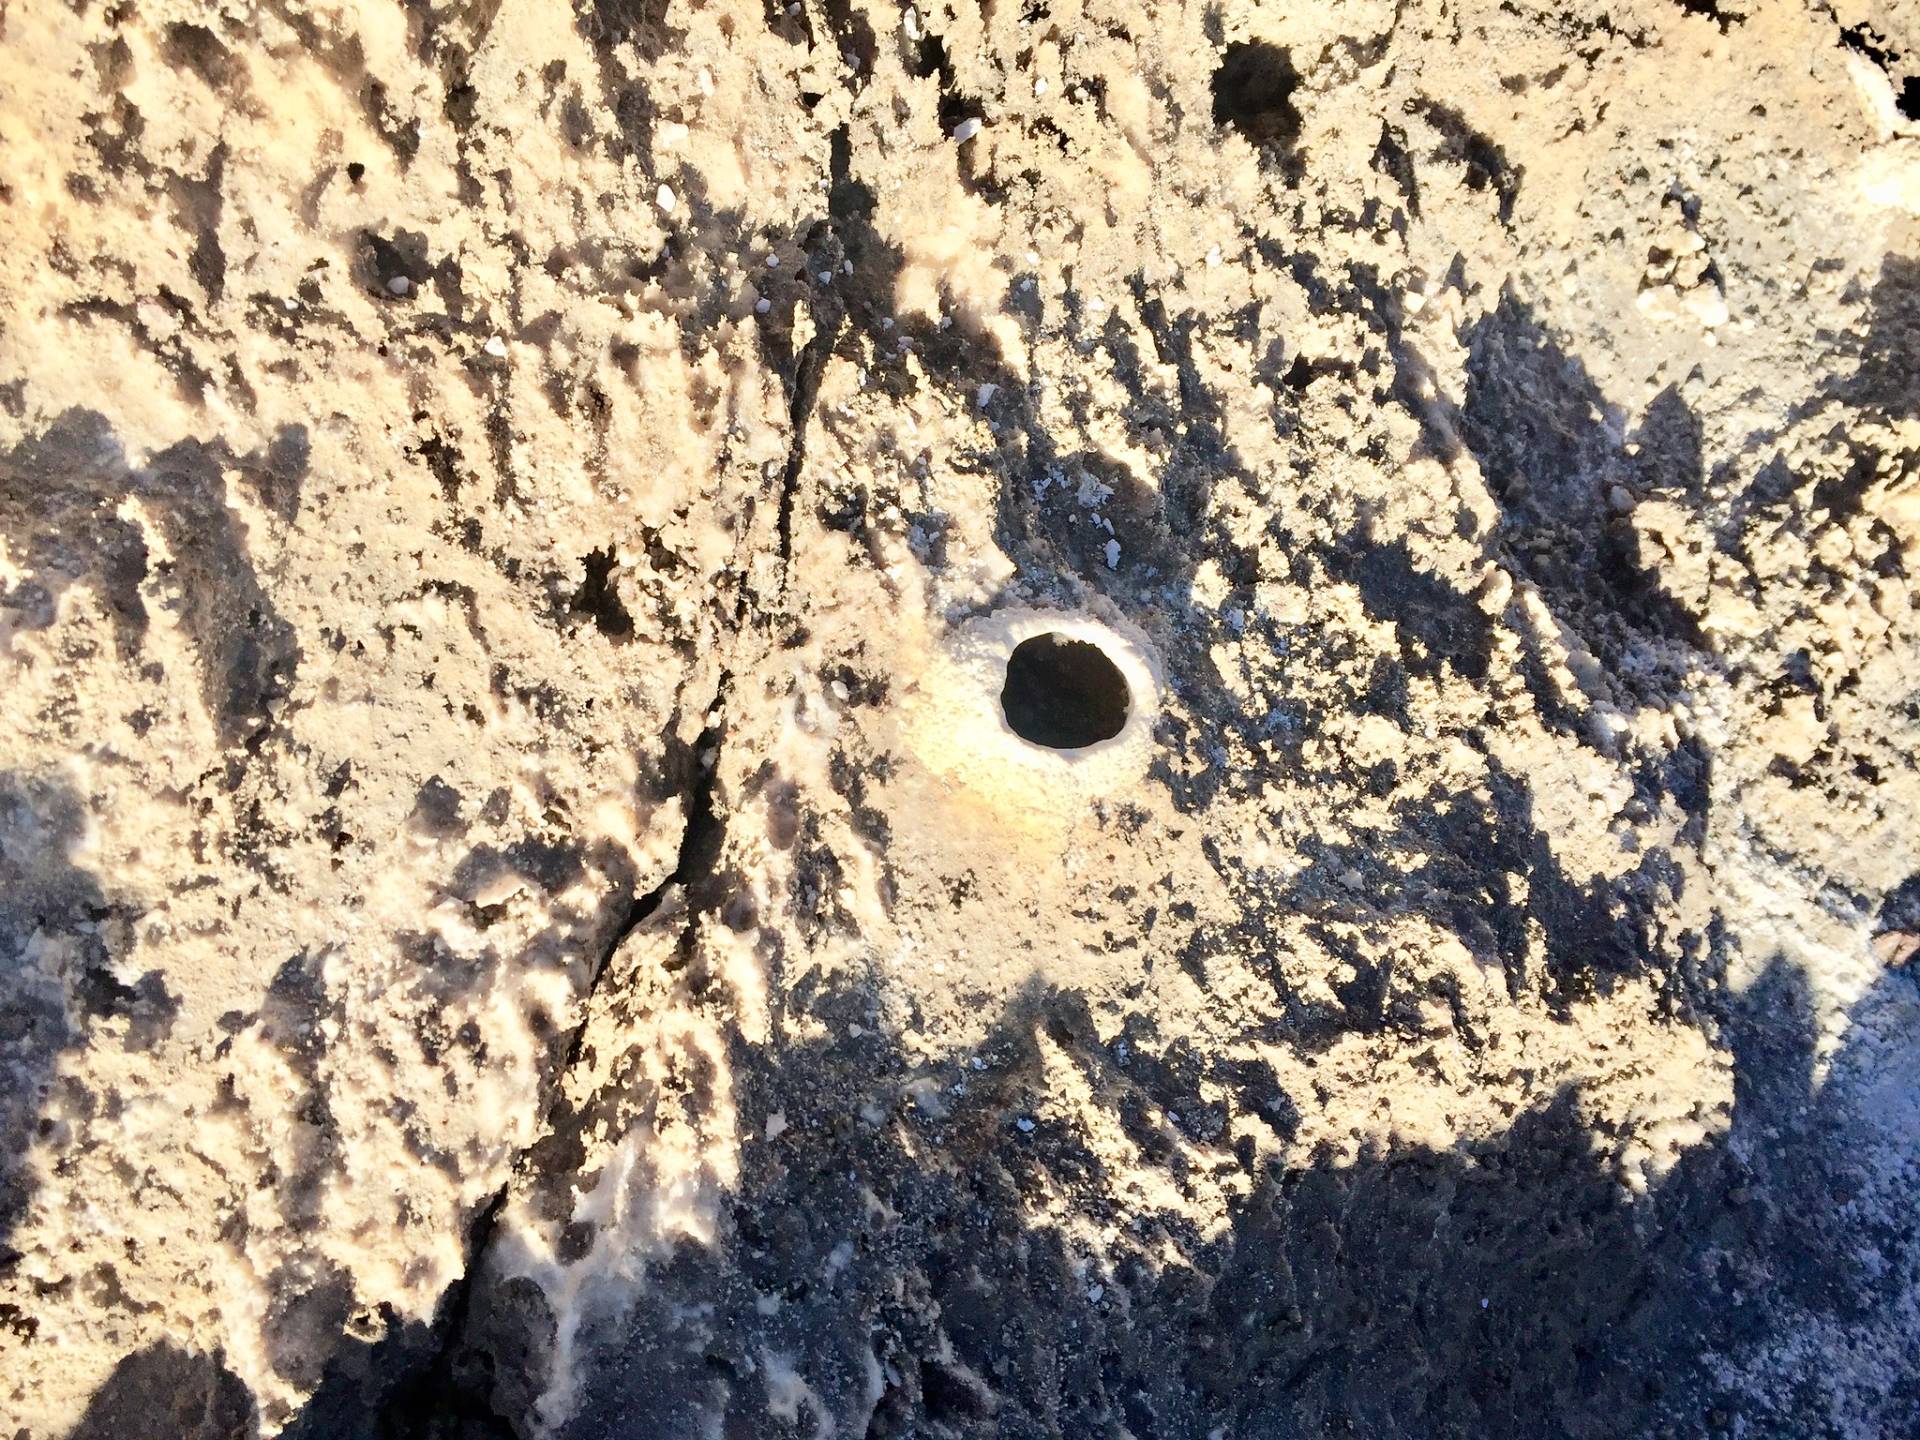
762 305
665 198
1039 87
399 285
966 130
986 393
1113 554
1024 1125
773 262
496 347
1094 1292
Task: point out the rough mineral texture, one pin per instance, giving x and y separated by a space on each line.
522 913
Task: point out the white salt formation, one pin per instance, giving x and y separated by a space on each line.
1046 720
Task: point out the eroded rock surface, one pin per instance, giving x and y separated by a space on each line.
521 913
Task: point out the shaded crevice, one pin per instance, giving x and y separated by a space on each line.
449 1392
700 840
439 1399
848 207
806 393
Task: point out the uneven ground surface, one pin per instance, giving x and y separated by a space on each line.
520 914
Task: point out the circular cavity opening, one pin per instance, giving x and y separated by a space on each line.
1064 693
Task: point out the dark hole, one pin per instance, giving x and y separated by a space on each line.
948 1395
1253 92
1710 10
1063 693
599 596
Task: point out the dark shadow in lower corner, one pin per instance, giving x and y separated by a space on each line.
45 895
166 1391
914 1273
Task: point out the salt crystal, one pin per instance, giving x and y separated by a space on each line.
773 262
1094 1292
1113 554
496 347
986 393
399 285
291 303
762 305
966 130
665 198
1039 87
839 689
910 22
1025 1125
